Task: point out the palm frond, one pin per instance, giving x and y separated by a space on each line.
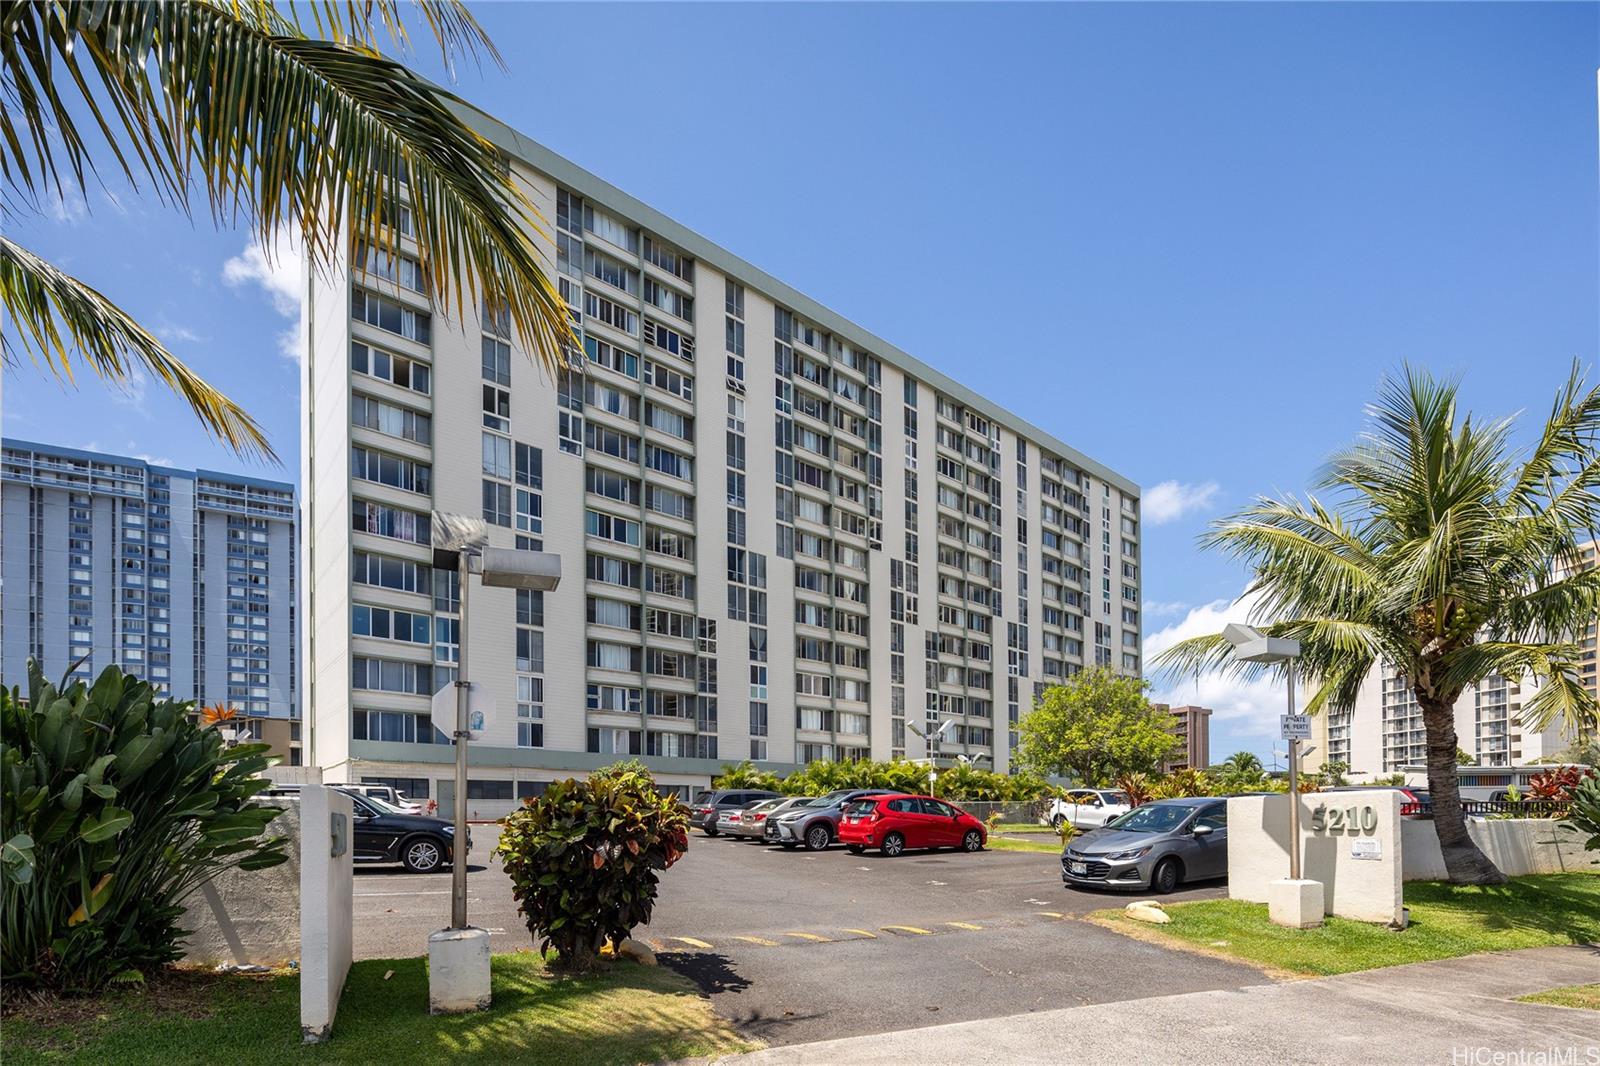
57 317
1561 698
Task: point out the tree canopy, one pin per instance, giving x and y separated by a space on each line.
1096 727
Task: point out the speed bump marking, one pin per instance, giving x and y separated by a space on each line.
909 929
762 941
863 933
964 925
692 942
811 936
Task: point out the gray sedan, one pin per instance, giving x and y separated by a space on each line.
1158 845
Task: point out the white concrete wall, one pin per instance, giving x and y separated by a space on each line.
249 918
1363 889
1518 846
327 885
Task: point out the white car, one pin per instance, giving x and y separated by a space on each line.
1087 808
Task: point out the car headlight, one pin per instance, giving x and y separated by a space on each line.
1131 853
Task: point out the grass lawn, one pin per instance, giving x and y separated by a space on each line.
1446 921
1585 996
1053 845
626 1014
1023 827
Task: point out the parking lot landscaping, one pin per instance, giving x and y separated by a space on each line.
1582 997
1446 921
626 1013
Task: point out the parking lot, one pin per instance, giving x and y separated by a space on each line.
795 945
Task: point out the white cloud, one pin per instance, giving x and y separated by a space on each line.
154 460
279 271
67 207
1162 608
131 392
1172 500
174 334
1240 708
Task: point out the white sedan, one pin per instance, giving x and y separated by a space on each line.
1087 808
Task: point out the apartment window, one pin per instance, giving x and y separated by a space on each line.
669 462
388 418
612 314
668 501
391 470
530 712
669 421
391 316
669 300
395 522
613 273
619 360
669 340
623 446
496 503
668 380
611 527
607 228
671 260
401 269
386 366
613 613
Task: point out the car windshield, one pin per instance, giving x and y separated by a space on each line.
1152 818
1120 798
820 801
703 798
861 806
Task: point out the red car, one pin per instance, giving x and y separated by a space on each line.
894 823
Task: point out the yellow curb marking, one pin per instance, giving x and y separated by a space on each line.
758 940
863 932
692 942
1052 914
964 925
908 929
811 936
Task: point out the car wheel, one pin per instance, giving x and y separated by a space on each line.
893 844
855 849
709 831
1165 877
1055 822
422 856
817 838
973 841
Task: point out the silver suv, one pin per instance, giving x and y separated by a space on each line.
815 823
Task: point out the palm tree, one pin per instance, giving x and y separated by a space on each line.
1448 554
275 125
1242 764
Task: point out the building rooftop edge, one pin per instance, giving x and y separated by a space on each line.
569 173
128 460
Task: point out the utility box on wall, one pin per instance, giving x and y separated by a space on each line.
1349 841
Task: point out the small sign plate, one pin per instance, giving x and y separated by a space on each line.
1294 727
1366 849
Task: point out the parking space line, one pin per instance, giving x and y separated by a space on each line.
814 937
964 925
762 941
908 930
692 942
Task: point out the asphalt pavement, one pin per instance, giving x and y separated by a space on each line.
798 946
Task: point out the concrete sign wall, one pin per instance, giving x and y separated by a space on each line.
327 901
1517 845
249 918
1349 841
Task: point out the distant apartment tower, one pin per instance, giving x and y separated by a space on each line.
783 539
1589 555
1192 727
183 577
1384 732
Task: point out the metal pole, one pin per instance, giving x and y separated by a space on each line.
458 847
1294 786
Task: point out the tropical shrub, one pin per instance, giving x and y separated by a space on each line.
1181 783
114 805
960 783
1584 817
584 859
1557 785
1137 787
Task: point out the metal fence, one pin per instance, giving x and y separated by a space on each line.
1032 812
1498 808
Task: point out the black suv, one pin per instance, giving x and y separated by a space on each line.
707 805
387 834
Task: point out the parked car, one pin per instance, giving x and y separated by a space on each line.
390 795
1414 802
384 833
752 823
707 806
1157 845
895 822
815 823
1087 808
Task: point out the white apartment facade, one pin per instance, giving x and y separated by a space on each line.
186 578
782 538
1383 734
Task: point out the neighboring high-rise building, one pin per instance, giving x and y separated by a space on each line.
1589 555
1192 727
783 538
1384 732
184 577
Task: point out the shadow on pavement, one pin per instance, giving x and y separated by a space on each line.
710 972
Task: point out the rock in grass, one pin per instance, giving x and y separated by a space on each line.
1146 910
638 952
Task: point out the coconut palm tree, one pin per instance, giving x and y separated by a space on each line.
235 102
1242 764
1447 553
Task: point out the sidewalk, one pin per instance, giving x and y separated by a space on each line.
1422 1013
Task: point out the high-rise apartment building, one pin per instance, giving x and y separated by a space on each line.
184 577
783 538
1192 727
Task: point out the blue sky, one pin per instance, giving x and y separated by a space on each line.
1188 240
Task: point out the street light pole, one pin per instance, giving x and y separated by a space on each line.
458 857
1294 784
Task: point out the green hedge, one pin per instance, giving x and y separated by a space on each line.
956 783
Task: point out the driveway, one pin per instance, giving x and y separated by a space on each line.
797 946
